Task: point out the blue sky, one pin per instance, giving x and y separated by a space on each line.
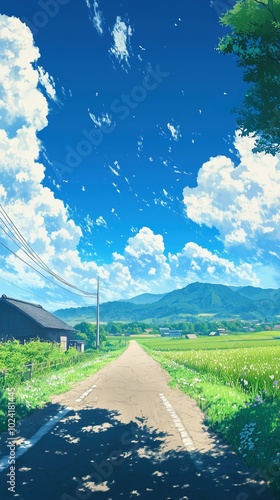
120 155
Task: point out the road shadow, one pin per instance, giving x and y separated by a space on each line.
31 421
91 454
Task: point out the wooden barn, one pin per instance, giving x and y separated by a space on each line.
25 321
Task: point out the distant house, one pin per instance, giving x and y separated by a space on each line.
276 327
164 332
175 333
25 321
191 336
221 331
214 334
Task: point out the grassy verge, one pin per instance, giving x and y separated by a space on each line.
250 424
36 392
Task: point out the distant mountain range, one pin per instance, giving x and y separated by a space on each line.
219 301
255 293
144 298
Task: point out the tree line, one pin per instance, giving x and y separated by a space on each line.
87 331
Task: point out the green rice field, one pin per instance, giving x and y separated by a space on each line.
235 380
231 341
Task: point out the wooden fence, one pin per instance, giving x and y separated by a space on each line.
14 376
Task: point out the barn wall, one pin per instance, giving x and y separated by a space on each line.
14 324
53 335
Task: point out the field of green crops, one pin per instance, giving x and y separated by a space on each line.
235 379
233 340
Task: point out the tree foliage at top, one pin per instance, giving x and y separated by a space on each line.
255 40
87 332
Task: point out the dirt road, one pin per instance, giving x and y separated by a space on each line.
124 433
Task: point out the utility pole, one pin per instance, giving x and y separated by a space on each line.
97 317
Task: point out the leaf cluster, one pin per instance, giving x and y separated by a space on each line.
87 331
255 40
13 354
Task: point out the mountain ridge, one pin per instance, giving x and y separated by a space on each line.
144 298
197 298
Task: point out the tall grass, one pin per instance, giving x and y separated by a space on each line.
239 392
255 371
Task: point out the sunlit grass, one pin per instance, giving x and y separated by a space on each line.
238 389
255 371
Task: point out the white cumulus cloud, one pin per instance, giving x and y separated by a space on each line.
243 201
196 263
42 218
144 254
45 222
150 268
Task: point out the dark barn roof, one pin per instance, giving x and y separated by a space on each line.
37 314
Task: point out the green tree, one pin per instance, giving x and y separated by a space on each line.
136 327
255 40
115 328
201 327
187 327
87 332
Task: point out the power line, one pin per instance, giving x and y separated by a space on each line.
38 272
20 288
28 250
13 233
